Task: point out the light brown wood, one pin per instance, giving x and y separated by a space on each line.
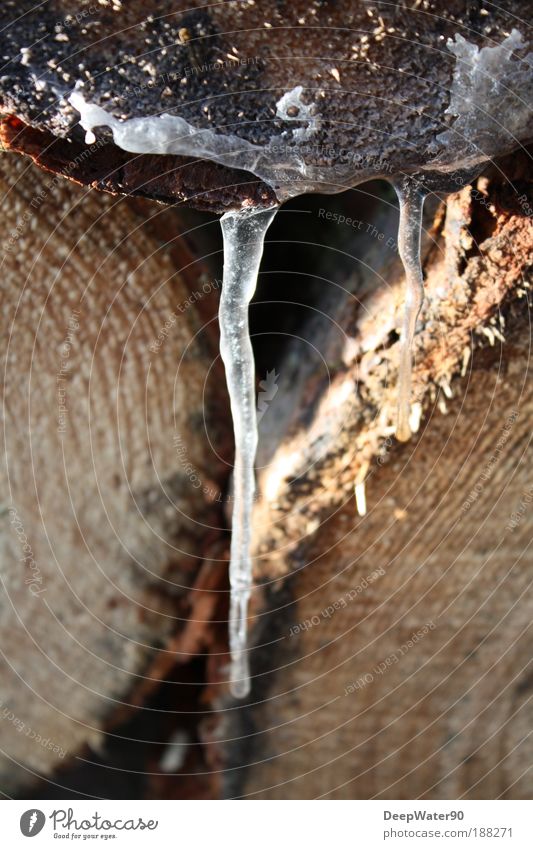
351 709
111 514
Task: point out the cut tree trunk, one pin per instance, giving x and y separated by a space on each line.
115 429
390 651
368 89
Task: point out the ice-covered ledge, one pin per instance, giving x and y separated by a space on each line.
489 113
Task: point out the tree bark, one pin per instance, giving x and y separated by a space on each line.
392 651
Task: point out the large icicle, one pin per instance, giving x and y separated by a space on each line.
244 234
411 200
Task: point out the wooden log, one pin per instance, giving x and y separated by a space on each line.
368 90
331 431
113 447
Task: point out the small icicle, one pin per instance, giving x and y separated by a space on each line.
360 498
244 234
411 200
360 489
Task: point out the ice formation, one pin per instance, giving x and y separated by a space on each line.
411 200
281 163
491 100
244 234
291 107
490 108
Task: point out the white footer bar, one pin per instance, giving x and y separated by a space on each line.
267 825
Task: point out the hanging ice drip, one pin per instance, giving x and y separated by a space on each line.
244 234
411 199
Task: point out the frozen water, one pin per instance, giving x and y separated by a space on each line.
244 234
411 200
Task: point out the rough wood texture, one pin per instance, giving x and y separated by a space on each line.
448 716
377 77
104 530
340 707
204 185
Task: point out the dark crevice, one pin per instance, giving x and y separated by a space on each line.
312 249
